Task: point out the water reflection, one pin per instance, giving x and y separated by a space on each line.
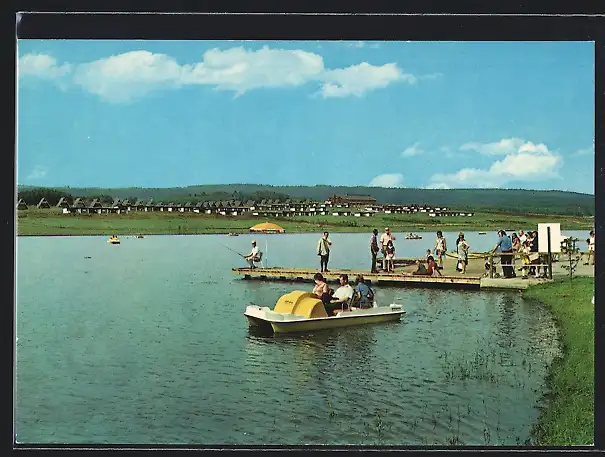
507 323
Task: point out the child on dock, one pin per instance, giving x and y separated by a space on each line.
390 254
525 259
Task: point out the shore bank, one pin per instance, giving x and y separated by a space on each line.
568 418
48 222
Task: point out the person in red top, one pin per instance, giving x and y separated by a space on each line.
430 269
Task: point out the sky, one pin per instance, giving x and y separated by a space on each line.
390 114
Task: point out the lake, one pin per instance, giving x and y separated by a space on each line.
146 342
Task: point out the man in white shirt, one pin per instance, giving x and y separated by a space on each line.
522 237
384 240
253 256
345 291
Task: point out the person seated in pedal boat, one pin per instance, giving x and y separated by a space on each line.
342 295
363 296
321 289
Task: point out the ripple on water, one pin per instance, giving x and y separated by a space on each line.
174 361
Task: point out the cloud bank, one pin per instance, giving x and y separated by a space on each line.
413 150
522 161
126 76
387 180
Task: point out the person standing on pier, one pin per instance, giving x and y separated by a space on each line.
323 251
440 249
374 249
384 240
463 248
505 246
591 248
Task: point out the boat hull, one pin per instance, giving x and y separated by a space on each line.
332 322
265 319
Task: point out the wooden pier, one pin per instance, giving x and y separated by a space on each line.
476 276
396 278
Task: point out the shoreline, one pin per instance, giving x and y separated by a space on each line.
51 222
568 416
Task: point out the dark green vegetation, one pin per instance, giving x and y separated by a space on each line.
569 417
504 200
51 221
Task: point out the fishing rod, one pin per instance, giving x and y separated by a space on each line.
241 255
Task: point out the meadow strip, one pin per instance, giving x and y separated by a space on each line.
568 418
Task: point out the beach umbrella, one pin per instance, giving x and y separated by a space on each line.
267 227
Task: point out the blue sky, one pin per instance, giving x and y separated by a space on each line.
392 114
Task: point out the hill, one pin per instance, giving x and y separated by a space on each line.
497 200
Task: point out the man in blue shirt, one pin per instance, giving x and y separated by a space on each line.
505 245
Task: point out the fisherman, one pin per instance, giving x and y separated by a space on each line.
323 251
253 256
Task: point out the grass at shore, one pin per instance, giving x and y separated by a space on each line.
39 222
568 418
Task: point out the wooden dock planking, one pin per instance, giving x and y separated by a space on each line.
473 279
306 275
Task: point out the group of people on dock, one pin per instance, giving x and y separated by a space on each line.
522 246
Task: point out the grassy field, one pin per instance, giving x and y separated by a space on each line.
53 222
569 417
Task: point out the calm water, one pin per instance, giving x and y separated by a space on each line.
145 342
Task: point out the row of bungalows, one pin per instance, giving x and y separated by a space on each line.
264 208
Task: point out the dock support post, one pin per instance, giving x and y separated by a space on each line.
549 253
491 265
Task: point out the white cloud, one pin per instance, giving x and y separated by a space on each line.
431 76
358 79
356 44
42 66
133 74
526 162
37 173
387 180
438 185
584 152
413 150
128 75
504 146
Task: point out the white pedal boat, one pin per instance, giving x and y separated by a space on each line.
301 311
